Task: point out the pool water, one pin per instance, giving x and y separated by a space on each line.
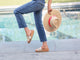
9 31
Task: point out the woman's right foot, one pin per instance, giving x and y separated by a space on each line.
42 49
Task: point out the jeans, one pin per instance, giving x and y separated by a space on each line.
36 7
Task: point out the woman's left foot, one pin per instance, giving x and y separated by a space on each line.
29 38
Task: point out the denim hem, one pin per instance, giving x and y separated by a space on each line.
43 40
22 26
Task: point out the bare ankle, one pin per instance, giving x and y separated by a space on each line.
27 31
45 45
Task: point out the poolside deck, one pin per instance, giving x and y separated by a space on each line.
59 50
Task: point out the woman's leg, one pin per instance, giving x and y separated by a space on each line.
26 8
35 7
40 28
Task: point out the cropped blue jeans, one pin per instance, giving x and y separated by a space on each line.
36 7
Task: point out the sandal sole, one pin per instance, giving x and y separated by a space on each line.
46 50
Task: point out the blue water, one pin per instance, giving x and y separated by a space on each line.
9 31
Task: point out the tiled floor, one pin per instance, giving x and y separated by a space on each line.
59 50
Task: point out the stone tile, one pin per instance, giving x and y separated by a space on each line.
54 45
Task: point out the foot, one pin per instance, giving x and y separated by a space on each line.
29 38
42 49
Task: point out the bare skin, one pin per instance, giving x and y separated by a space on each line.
49 6
28 31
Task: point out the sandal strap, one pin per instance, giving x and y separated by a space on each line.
28 38
39 49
